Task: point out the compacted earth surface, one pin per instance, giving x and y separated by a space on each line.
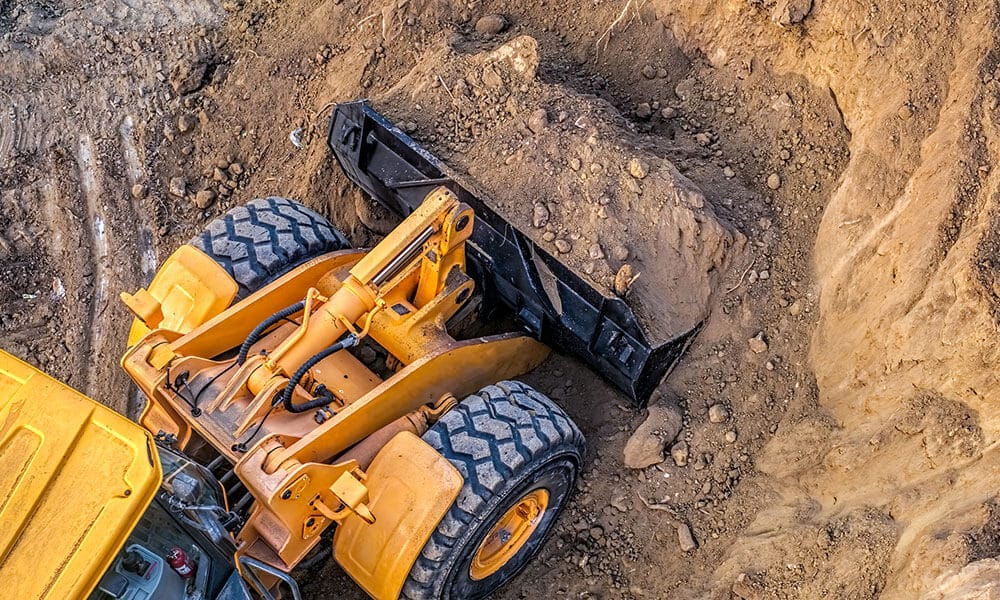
811 181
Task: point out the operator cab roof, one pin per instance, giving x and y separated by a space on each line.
75 477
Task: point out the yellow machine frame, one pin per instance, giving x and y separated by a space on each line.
353 461
75 478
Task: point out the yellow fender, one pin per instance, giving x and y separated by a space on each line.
411 487
189 289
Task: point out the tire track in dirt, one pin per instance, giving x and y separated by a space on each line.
96 220
80 104
8 129
137 175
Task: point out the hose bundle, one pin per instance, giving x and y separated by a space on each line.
323 395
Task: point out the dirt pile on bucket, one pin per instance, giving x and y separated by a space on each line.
571 172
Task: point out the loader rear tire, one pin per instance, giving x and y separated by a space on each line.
517 451
264 239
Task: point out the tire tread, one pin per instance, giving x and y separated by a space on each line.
265 238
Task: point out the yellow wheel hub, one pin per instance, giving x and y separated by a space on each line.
509 534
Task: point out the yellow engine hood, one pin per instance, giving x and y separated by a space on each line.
75 477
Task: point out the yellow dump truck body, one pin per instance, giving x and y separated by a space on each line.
75 478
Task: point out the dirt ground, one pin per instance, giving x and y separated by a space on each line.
813 179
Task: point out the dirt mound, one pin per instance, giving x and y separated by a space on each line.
572 172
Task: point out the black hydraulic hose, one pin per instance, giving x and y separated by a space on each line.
324 396
266 324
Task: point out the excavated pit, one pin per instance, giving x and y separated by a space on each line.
814 180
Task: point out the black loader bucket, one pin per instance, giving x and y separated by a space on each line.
552 302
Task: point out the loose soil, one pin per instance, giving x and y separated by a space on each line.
812 179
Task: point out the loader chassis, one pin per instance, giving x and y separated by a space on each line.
298 387
298 415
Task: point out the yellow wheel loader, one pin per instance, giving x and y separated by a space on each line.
304 398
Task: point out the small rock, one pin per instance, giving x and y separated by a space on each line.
645 447
680 453
595 252
139 191
774 181
729 172
574 163
905 112
717 413
703 139
638 168
596 532
619 252
731 436
548 236
649 72
644 110
219 175
539 216
177 187
624 279
757 343
185 123
742 590
188 76
236 168
295 137
685 88
782 103
796 308
538 121
492 24
791 12
204 199
668 113
563 246
685 538
619 503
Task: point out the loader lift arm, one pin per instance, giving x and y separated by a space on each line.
551 301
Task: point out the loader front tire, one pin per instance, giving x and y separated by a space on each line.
262 240
519 454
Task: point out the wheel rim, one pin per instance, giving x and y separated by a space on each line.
509 534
